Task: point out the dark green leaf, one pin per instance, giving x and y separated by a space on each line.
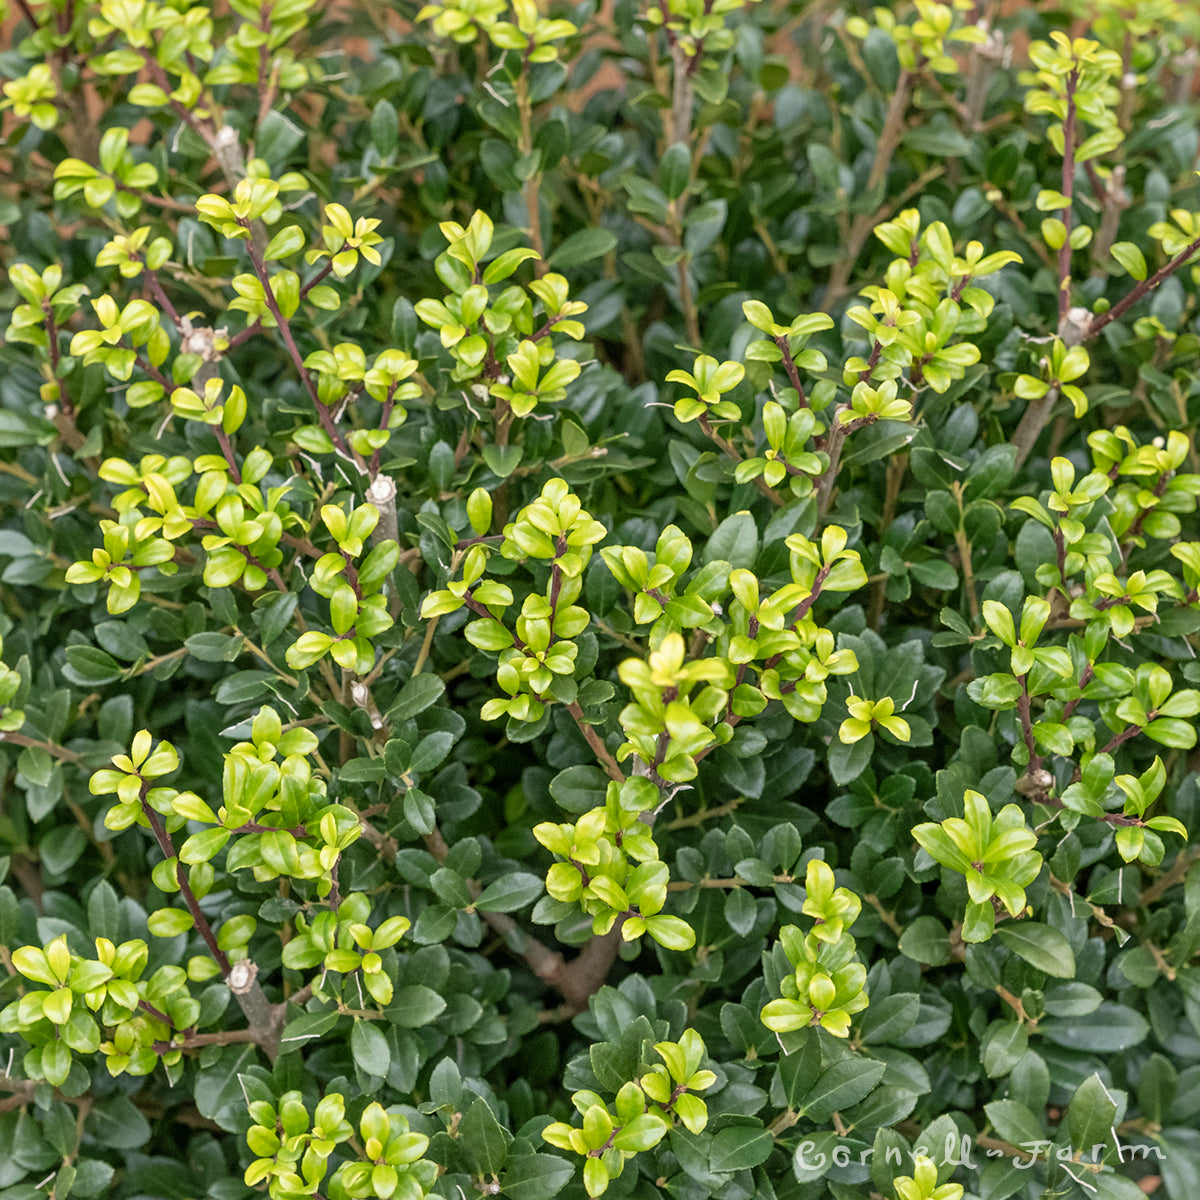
484 1141
739 1148
841 1085
583 246
372 1055
535 1176
510 892
1043 947
1090 1115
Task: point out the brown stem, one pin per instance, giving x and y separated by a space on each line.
681 93
268 75
789 365
157 292
323 414
1126 302
691 317
576 980
1107 818
193 1041
704 814
833 447
885 149
385 416
189 897
251 330
968 569
1121 738
227 451
51 748
482 611
29 876
297 831
1114 200
732 881
730 451
723 443
533 185
887 916
1176 874
679 131
64 422
263 1017
205 132
382 494
1084 680
802 609
610 765
156 1013
1135 530
1060 555
158 201
582 977
1068 190
264 277
148 368
1033 421
258 1011
1023 711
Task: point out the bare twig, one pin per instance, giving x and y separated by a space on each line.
1146 286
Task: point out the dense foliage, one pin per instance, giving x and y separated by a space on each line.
600 599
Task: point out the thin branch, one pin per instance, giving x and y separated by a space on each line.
156 290
164 202
732 881
27 13
1023 711
1120 739
731 718
51 748
246 334
1107 818
194 1041
1126 302
885 149
154 373
703 814
1177 873
1068 190
323 414
728 449
545 963
789 365
156 1013
185 890
833 447
610 765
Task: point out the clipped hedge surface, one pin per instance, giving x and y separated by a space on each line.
599 599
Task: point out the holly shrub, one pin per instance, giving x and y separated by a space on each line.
600 598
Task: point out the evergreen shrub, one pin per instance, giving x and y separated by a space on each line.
599 599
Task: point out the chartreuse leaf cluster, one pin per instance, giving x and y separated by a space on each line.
642 1114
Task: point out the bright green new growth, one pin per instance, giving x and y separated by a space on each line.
451 499
641 1116
995 853
827 986
922 1184
292 1151
597 872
